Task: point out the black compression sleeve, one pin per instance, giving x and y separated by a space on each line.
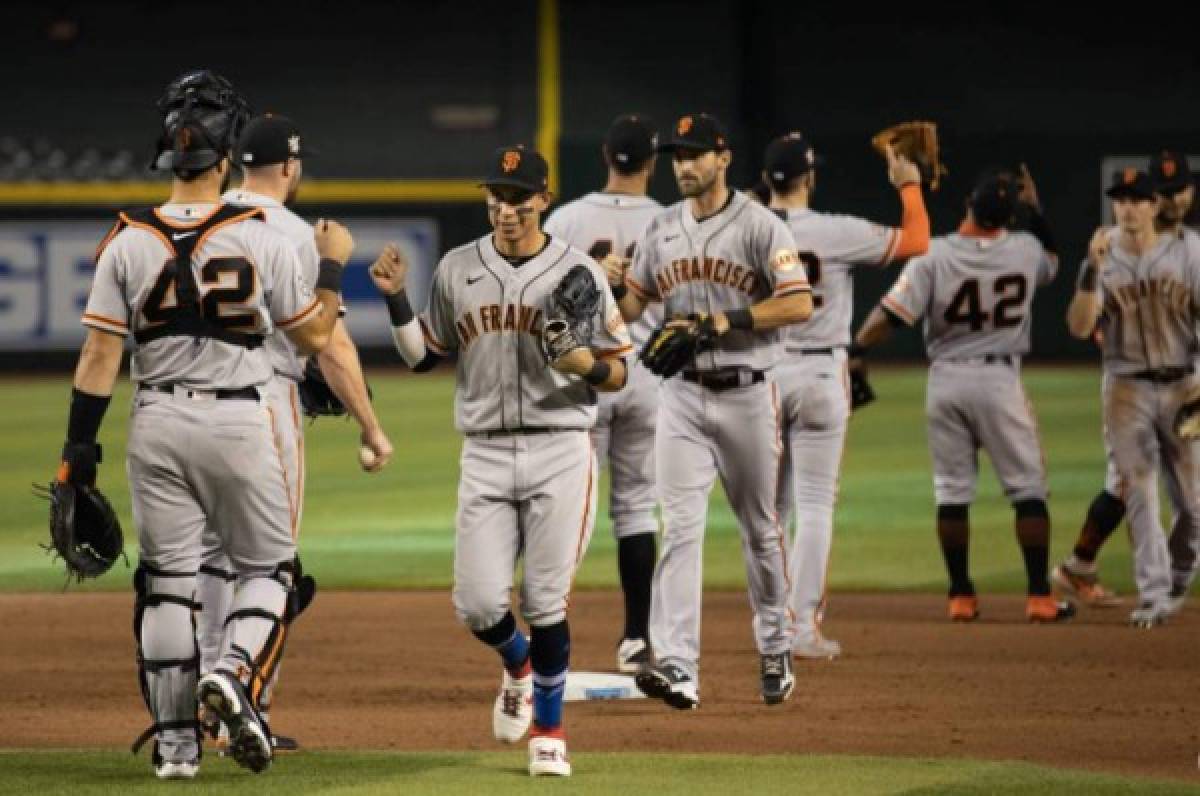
1040 229
87 412
599 373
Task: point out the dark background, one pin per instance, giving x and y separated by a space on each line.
371 82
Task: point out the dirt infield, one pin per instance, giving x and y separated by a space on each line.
394 671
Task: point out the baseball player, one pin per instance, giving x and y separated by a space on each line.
200 285
1140 288
528 470
720 255
1076 576
606 224
271 155
812 378
974 290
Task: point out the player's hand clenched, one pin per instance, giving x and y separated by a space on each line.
390 270
334 242
1028 189
1098 247
614 268
380 447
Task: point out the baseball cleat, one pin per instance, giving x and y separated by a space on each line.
777 678
1176 599
548 757
1082 587
1148 614
816 648
670 683
632 654
223 695
186 769
964 608
1044 608
284 743
513 710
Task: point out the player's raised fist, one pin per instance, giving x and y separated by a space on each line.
614 268
334 242
390 270
1027 191
1098 247
901 170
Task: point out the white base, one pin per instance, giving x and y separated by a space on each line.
589 686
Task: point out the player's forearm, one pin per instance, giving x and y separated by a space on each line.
99 363
876 329
913 235
631 305
779 311
617 375
343 372
1083 313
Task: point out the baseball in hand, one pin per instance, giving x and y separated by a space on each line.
366 457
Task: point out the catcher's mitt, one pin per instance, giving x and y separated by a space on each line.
316 398
676 343
1187 420
917 141
84 529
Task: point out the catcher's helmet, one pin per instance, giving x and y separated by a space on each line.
203 115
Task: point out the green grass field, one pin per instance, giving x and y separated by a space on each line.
395 529
99 772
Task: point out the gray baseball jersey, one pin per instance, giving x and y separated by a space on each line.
1151 305
975 293
830 247
731 260
286 360
492 314
269 293
600 223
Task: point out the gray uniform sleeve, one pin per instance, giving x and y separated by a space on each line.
437 321
610 337
640 277
861 242
1047 267
107 309
292 302
912 292
776 259
557 225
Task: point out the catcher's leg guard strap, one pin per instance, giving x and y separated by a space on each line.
255 630
168 659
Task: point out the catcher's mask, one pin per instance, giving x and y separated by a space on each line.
203 116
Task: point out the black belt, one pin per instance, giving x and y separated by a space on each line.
986 359
1164 375
239 394
725 379
813 352
520 431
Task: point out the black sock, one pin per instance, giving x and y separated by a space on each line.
635 561
1104 515
1033 534
953 530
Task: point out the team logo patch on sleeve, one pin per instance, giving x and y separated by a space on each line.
784 260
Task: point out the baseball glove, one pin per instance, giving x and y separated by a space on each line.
84 529
676 343
1187 420
917 141
573 308
316 398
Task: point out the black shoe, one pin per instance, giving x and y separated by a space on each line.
282 743
777 678
670 683
224 695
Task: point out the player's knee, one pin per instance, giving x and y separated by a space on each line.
164 604
477 611
1031 508
1107 510
948 491
953 512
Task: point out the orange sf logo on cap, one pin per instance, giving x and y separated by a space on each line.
511 160
685 125
1168 167
1129 176
185 138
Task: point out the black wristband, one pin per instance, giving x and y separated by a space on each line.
1087 279
856 351
619 291
399 310
329 275
740 319
87 412
599 373
1040 229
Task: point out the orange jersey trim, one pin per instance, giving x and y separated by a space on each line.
609 353
300 316
902 313
640 290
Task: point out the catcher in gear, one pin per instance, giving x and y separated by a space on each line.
916 142
200 451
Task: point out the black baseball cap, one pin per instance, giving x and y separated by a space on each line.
518 167
993 200
631 140
1131 184
271 139
1169 172
699 131
788 157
